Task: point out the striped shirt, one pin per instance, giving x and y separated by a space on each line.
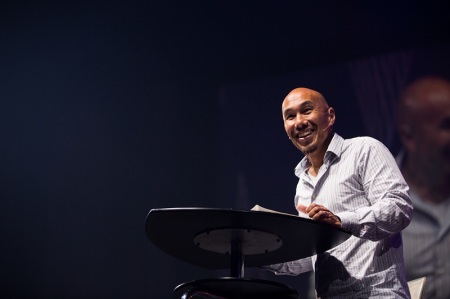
361 183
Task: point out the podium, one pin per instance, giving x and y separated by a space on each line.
215 238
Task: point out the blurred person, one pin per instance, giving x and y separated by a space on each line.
424 129
354 184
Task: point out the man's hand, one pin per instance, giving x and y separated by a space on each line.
320 213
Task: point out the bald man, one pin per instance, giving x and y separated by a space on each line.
424 128
354 184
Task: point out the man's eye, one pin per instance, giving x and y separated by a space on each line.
289 116
307 111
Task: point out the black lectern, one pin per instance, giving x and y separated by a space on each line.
226 238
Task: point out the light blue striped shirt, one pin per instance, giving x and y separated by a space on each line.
361 183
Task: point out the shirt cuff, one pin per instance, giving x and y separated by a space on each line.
349 221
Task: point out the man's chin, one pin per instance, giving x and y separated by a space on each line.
307 150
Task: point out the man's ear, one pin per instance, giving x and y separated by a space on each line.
331 116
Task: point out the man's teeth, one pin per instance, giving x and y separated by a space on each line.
304 134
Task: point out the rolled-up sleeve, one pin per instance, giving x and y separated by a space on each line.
390 207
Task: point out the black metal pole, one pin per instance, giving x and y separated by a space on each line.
237 257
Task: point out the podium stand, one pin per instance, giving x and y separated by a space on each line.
234 239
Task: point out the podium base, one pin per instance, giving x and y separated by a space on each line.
234 288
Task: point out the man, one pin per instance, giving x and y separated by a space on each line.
424 128
353 184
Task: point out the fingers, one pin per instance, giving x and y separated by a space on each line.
315 211
301 208
312 208
320 213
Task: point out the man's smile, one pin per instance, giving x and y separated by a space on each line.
304 134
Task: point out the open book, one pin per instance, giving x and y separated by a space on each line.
262 209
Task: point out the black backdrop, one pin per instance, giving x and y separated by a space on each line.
111 108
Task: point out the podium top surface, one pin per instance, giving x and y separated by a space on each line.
205 236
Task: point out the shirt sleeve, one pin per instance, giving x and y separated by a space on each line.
390 208
291 268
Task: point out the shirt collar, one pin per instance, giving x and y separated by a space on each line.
334 150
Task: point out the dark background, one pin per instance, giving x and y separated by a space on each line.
111 108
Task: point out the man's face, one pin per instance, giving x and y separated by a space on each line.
431 132
306 120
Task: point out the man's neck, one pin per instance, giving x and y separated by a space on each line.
316 158
315 161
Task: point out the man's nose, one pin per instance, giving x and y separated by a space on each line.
300 121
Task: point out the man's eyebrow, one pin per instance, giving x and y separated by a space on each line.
301 105
287 110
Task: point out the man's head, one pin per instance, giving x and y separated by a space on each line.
308 120
424 124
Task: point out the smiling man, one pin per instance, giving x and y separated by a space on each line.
353 184
307 118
